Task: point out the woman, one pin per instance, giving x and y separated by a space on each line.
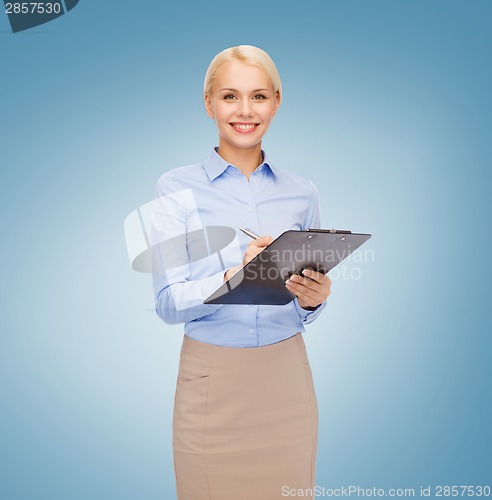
245 422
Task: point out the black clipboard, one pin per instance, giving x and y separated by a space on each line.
262 280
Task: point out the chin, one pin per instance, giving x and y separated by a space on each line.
249 145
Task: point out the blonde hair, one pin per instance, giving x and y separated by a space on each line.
248 54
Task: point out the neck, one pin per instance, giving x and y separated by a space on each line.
245 160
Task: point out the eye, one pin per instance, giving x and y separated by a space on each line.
229 97
260 97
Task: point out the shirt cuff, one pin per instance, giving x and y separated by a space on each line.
307 315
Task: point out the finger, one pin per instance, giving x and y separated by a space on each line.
262 241
256 246
308 295
305 285
318 277
309 289
315 275
306 282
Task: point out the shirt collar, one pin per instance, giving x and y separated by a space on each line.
215 165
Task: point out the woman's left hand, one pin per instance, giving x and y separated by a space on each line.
311 289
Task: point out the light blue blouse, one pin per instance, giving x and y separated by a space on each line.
215 193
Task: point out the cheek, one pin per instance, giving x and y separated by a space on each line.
268 118
270 114
221 109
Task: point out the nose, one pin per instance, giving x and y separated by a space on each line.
245 108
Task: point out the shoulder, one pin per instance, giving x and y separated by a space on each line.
300 182
178 178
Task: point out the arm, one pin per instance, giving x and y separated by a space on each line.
178 298
312 291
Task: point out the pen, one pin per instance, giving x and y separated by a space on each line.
250 233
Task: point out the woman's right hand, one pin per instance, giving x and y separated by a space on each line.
254 248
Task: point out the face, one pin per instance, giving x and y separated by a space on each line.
243 104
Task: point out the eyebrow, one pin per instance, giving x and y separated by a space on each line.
236 90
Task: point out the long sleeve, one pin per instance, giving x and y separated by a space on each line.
174 216
312 220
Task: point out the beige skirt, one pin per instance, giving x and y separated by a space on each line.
245 424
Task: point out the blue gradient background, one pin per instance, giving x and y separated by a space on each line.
387 107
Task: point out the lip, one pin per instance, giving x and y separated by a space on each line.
240 131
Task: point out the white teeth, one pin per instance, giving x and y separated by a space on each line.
244 127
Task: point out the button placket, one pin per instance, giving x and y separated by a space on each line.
251 208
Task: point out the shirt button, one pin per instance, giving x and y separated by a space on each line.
250 331
250 209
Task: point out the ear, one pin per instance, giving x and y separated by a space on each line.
277 103
208 106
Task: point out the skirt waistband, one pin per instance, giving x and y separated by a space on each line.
203 350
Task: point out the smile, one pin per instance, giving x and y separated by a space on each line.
244 128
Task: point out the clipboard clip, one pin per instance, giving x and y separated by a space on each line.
333 231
